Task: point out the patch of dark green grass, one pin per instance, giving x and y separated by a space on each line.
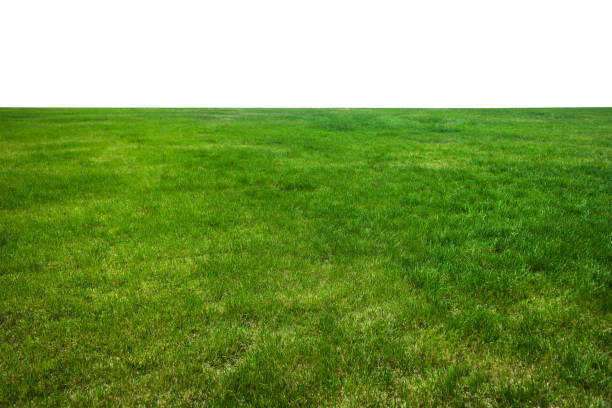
305 257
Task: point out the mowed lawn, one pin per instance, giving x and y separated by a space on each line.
228 257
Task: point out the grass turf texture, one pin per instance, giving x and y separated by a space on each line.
306 257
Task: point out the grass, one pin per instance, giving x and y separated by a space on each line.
225 257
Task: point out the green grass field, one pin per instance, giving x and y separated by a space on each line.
227 257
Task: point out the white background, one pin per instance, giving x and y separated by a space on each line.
309 53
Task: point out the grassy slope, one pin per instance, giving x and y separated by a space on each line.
306 257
